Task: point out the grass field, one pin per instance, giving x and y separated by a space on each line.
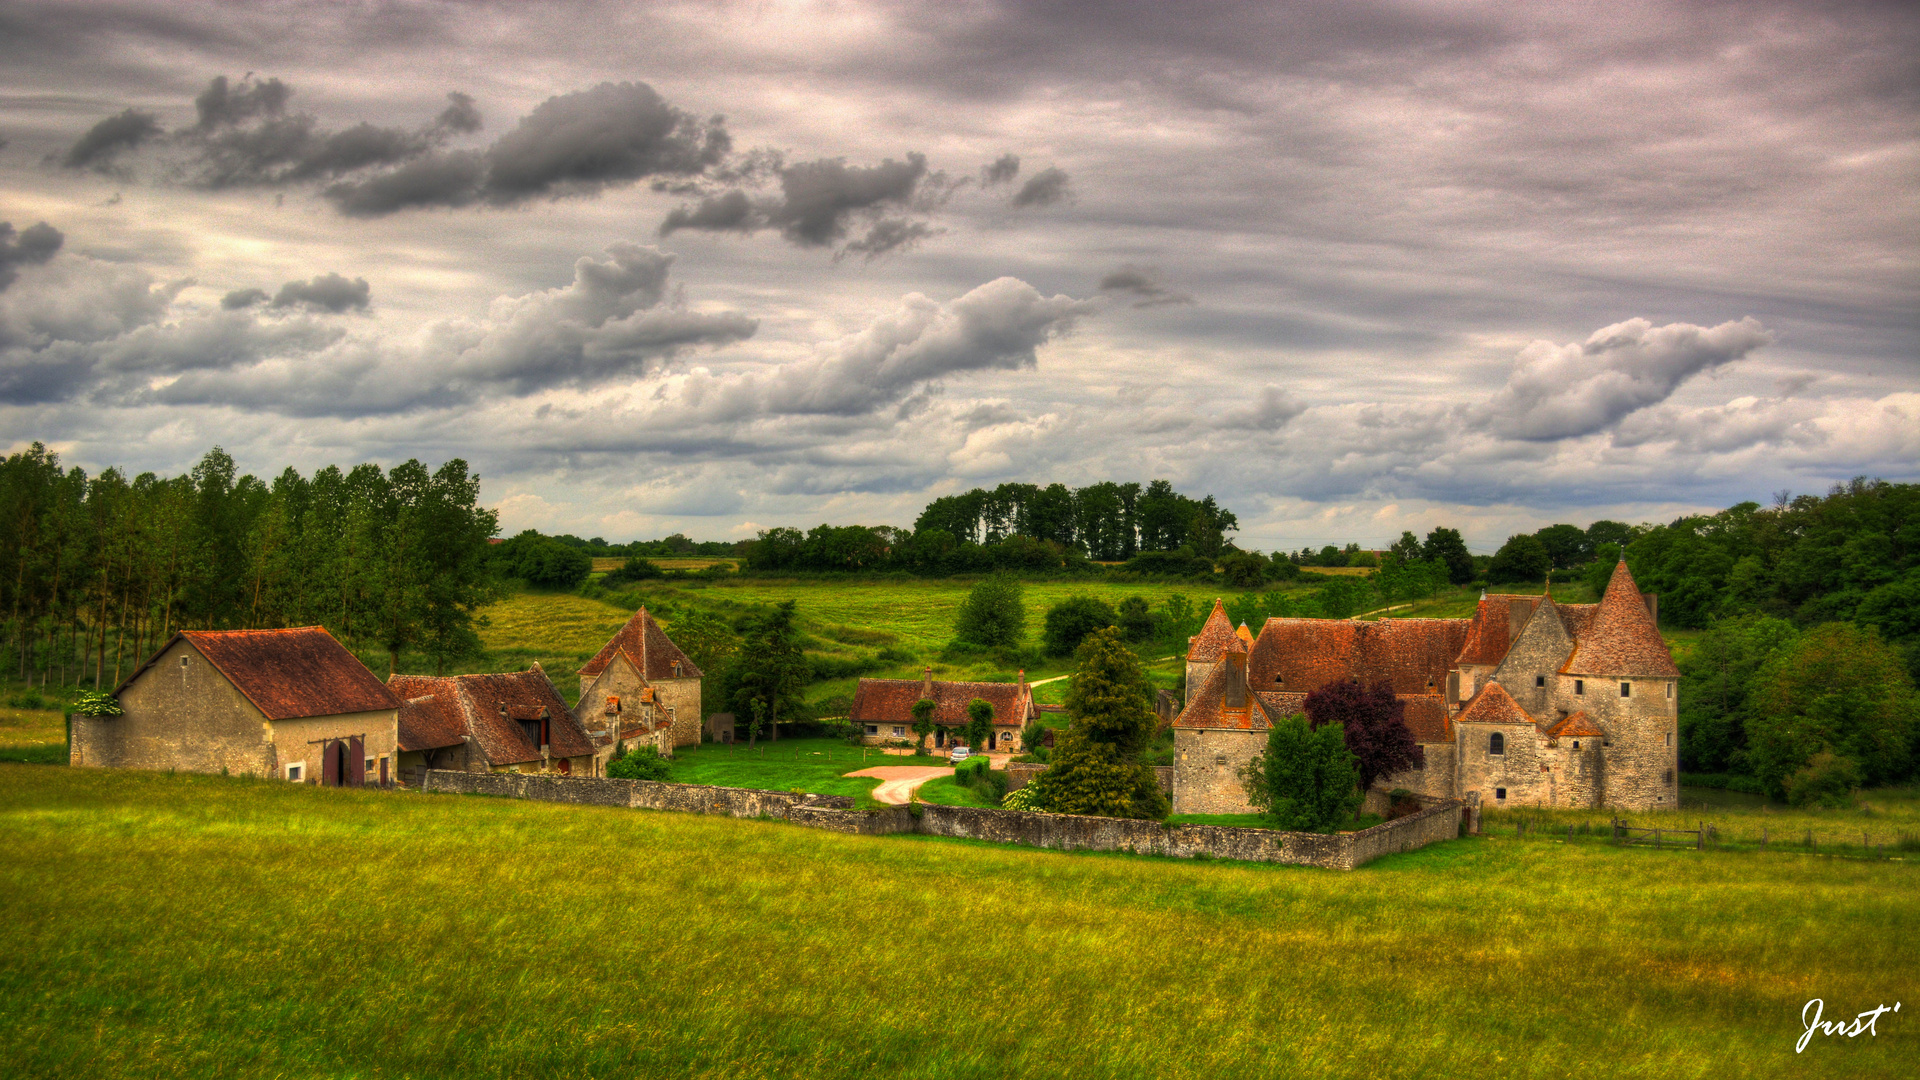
194 926
814 765
36 736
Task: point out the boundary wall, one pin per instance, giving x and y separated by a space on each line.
1060 832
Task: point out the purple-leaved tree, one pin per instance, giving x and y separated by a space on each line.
1375 723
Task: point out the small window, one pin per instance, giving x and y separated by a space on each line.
1576 744
1539 681
1279 678
183 661
369 764
1626 689
1669 738
1667 778
1500 793
1497 744
898 731
294 772
1669 691
1579 687
873 729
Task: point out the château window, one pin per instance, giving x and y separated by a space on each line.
1579 687
1539 681
1496 743
1626 689
1669 691
1500 793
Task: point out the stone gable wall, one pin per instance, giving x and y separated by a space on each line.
1434 779
1061 832
1206 769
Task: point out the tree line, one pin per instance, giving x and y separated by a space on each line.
97 571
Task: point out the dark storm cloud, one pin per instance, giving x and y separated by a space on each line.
820 202
239 299
223 105
33 247
1143 284
107 139
1044 188
330 293
1001 171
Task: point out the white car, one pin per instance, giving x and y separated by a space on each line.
959 754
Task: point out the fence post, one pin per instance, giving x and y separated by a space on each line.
1656 836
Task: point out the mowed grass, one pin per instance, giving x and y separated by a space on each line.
815 765
209 927
1886 819
38 736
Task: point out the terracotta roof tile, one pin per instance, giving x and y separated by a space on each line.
287 674
429 721
1206 706
522 695
647 647
1215 637
1427 718
1301 655
1622 639
1493 705
890 701
1487 633
1577 726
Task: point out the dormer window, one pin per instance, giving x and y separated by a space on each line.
1279 678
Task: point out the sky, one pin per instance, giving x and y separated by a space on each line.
1352 269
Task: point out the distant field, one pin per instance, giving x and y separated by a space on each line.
601 566
38 736
175 926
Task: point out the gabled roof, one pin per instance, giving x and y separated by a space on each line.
1427 718
1487 633
1493 705
890 701
492 707
430 721
1622 638
1577 726
647 648
1207 707
1301 655
286 674
1215 637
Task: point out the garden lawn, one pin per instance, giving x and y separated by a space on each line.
814 765
946 791
196 926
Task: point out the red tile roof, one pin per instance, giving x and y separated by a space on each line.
1487 633
430 721
1577 726
1207 708
492 706
1215 637
647 648
286 674
1493 705
890 701
1622 639
1427 718
1301 655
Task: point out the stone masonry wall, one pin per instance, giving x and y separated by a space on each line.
1436 778
1020 773
1206 769
1063 832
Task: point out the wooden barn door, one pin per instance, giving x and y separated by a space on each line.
330 765
356 763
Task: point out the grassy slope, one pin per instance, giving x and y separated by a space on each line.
206 927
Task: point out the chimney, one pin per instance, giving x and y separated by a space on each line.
1519 610
1652 600
926 684
1236 689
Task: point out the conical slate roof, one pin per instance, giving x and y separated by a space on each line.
1215 638
1622 638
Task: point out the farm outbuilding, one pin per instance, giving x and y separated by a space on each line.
509 722
293 704
883 708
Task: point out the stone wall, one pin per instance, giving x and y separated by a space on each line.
1061 832
1207 764
1019 773
1435 778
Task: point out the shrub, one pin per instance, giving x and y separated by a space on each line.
1026 798
632 570
992 615
91 703
644 763
1071 620
1827 780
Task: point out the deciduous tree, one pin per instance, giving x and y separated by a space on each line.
1374 724
1306 780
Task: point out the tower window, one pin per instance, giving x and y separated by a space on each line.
1626 689
1497 744
1669 691
1576 744
1579 687
1669 738
1500 793
1539 681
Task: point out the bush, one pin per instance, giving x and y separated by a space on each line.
1071 620
32 700
1026 798
1137 621
541 561
1181 563
633 570
1827 780
644 763
992 615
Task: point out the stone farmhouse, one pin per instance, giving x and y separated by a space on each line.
641 660
293 704
513 722
884 710
1530 702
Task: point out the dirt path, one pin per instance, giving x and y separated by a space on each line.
898 782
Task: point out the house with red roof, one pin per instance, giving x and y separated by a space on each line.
1530 702
292 704
638 676
509 722
884 710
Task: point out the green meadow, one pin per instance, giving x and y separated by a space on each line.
195 926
